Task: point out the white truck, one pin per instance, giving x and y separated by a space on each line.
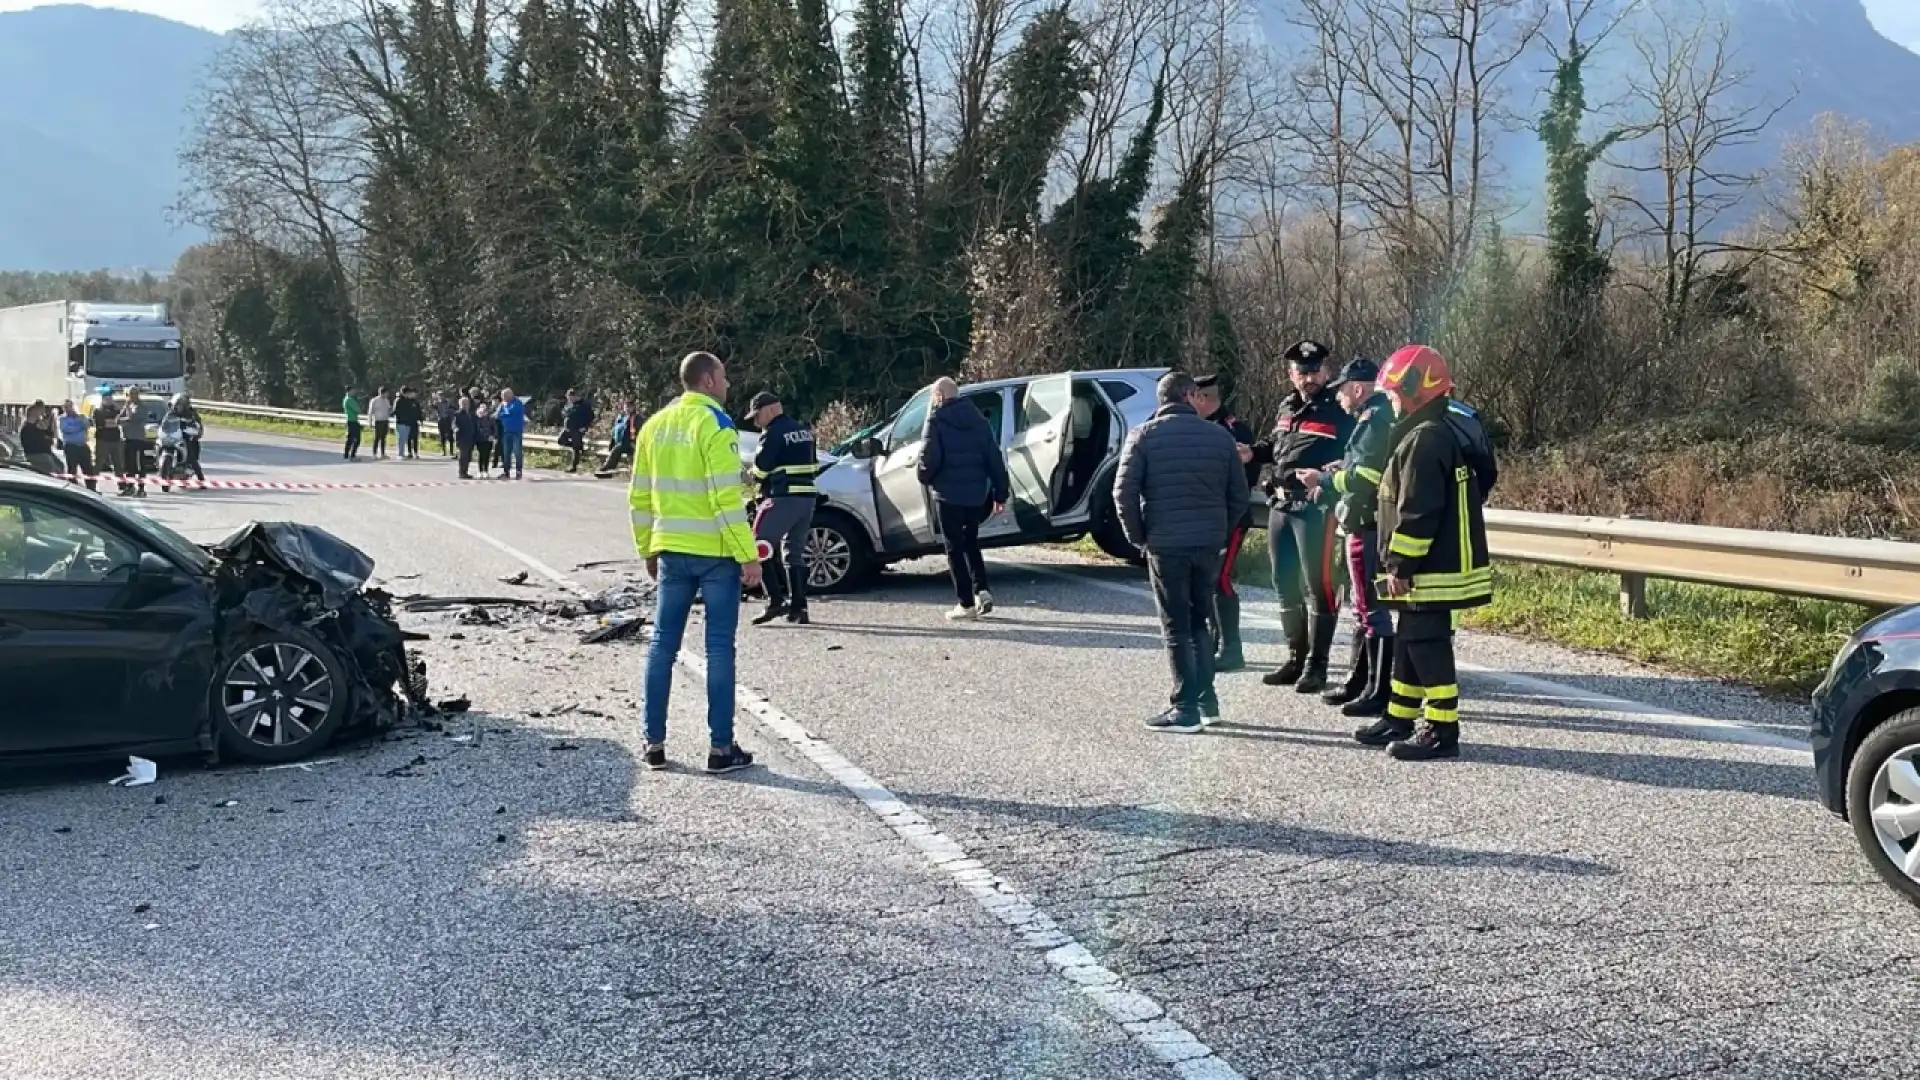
67 350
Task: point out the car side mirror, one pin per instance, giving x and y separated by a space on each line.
153 568
868 448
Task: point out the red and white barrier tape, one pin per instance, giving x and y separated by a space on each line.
152 481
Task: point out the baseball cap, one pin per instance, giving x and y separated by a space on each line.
1358 369
763 399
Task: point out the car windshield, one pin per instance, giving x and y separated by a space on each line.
845 446
122 362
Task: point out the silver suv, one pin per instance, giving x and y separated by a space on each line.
1062 436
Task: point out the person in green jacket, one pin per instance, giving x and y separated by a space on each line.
351 407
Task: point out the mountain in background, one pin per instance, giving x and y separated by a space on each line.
94 104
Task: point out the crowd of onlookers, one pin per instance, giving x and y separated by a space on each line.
110 438
477 429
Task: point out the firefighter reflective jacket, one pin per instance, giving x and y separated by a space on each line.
1431 526
785 464
686 496
1352 485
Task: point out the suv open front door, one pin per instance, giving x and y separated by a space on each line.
1041 443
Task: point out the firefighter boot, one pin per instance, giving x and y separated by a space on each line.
1359 672
773 579
1227 612
1429 741
1322 627
1379 682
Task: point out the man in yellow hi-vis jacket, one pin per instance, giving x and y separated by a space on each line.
690 524
1433 540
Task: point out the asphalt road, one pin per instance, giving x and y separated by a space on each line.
963 857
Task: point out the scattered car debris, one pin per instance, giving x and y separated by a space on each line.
303 766
615 630
407 769
452 706
63 829
515 579
140 772
559 746
226 804
423 604
142 909
476 616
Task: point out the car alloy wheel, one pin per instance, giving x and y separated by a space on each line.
829 558
1894 802
277 694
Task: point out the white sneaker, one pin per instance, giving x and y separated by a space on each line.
961 613
983 602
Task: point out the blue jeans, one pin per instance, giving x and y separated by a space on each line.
513 458
717 581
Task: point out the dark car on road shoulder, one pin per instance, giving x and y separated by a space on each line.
119 636
1866 743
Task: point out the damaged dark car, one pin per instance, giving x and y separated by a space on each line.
119 636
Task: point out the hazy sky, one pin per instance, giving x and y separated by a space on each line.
1898 19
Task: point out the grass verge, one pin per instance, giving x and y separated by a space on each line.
1778 643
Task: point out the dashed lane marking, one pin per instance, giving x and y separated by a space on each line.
1139 1015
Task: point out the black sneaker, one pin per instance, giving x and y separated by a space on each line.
732 759
1288 673
656 757
773 612
1175 721
798 617
1429 742
1312 681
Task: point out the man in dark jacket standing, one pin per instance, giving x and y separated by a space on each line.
963 464
1435 560
1311 432
575 419
1226 607
1180 491
785 465
1348 490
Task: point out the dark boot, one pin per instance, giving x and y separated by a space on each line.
1359 670
1227 612
773 580
1379 681
1431 741
1314 679
1288 673
797 602
1383 731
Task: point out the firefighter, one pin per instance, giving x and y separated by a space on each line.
1434 556
785 466
1206 401
1311 432
1348 489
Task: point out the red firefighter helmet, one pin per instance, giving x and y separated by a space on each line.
1415 377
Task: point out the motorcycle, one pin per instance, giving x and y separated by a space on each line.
175 433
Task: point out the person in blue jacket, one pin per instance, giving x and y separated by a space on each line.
511 417
962 462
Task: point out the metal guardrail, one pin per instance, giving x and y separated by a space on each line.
1880 573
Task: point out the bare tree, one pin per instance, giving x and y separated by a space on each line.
1696 104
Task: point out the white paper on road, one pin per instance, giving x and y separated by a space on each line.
140 772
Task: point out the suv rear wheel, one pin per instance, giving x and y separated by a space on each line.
1883 801
1107 534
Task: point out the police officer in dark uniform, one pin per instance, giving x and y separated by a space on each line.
785 466
1206 400
1311 432
1349 489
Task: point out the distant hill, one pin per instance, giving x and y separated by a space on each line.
93 106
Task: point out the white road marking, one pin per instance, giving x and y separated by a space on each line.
1705 726
1142 1017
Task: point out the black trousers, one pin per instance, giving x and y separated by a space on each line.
485 450
960 531
618 455
380 428
784 524
446 438
352 448
80 463
1302 545
466 460
1423 670
1184 584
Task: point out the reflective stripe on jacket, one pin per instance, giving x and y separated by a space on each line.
1432 530
1355 482
785 464
686 496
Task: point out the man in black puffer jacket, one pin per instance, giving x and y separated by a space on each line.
1180 491
963 463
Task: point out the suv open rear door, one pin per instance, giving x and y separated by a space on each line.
1042 441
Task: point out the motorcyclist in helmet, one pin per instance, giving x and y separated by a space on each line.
191 429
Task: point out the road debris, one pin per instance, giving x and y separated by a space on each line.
519 578
475 616
618 629
226 804
140 772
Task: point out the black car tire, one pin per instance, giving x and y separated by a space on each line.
845 543
1109 537
308 736
1900 732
